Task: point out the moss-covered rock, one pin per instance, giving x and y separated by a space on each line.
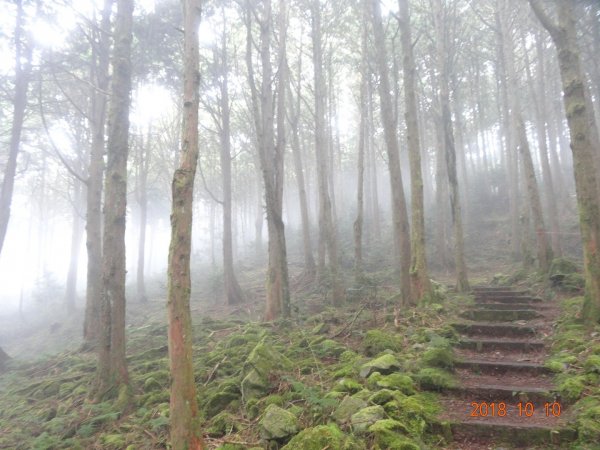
347 408
442 357
364 418
385 364
390 434
384 396
347 385
217 401
278 424
592 364
330 348
588 420
261 363
434 379
222 424
395 381
321 437
376 341
571 387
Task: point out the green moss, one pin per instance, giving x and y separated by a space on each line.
115 441
222 424
364 418
571 387
347 385
442 357
347 408
384 364
592 364
376 341
390 434
277 423
383 396
434 379
330 348
563 266
321 437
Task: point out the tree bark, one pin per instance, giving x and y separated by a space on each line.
185 433
578 117
544 252
327 235
92 325
420 283
143 166
462 282
401 228
233 291
22 77
112 365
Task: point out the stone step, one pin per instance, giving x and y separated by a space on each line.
520 433
509 306
494 329
501 291
511 395
509 300
496 315
499 367
482 345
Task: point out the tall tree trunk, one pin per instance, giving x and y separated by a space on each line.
22 77
185 433
92 325
76 235
420 283
112 365
145 153
462 283
544 252
310 266
400 216
327 235
233 291
578 117
271 153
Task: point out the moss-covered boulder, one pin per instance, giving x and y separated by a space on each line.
384 396
385 364
390 434
347 385
321 437
329 348
278 424
394 381
347 408
434 379
376 341
366 417
261 363
222 424
218 398
592 364
442 357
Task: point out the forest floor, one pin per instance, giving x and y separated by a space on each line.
357 376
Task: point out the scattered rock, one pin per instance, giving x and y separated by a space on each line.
395 381
262 362
321 437
384 364
347 408
366 417
278 424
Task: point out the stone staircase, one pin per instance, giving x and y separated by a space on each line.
505 395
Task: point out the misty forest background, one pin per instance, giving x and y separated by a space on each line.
333 150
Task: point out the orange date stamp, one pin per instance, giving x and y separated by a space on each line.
521 409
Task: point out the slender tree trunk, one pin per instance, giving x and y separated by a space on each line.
327 235
586 177
185 433
142 198
544 252
310 266
92 326
112 365
233 291
375 215
271 153
22 77
420 283
462 283
76 235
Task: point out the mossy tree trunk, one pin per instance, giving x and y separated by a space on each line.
401 228
185 433
579 117
420 283
112 366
